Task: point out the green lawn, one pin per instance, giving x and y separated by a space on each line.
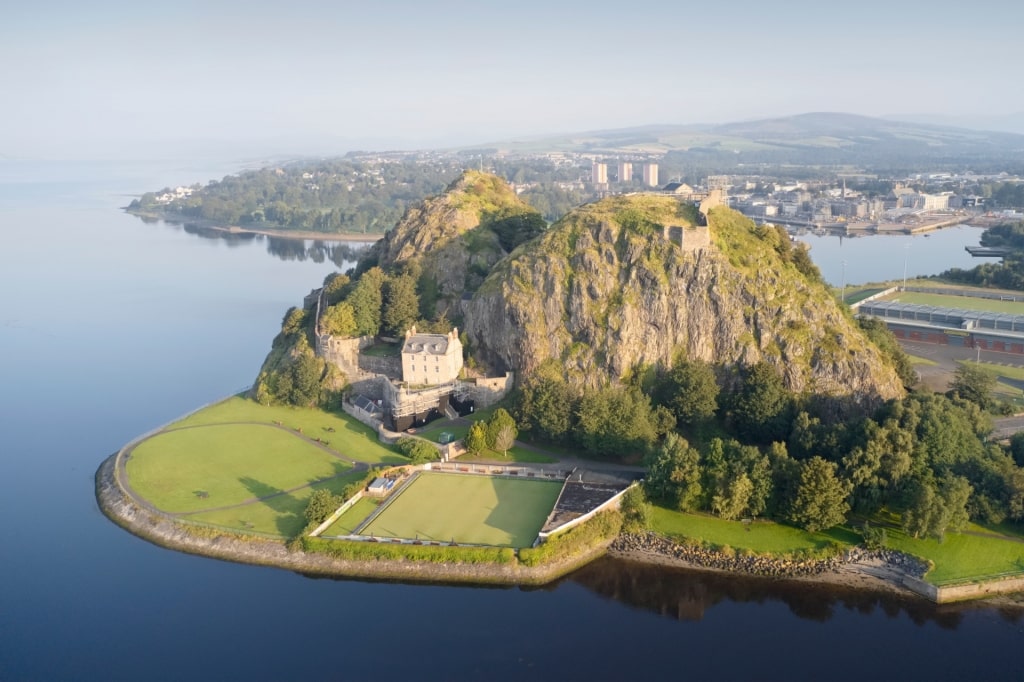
485 510
434 431
193 469
516 455
350 437
961 556
759 536
961 302
355 515
283 515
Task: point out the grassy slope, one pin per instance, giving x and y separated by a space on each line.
471 509
349 438
962 556
760 536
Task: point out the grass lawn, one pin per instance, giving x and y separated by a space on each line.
516 455
484 510
383 350
355 515
188 470
434 431
961 556
762 536
283 515
350 437
961 302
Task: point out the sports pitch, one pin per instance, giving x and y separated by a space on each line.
959 302
469 509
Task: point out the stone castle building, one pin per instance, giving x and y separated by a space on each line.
431 359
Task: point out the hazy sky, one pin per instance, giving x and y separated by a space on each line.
83 78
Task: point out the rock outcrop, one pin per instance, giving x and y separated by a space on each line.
452 240
632 281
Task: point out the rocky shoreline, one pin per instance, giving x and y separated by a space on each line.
765 566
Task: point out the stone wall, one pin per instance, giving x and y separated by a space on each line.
489 390
389 367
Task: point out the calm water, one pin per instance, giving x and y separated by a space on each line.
879 258
110 327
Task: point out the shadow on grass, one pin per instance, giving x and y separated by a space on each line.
519 510
289 507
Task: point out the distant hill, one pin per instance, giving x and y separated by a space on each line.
806 139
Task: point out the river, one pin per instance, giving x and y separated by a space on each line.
110 327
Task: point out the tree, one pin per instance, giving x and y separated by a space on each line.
366 299
761 408
339 320
973 383
322 503
693 392
476 439
935 506
733 501
401 305
305 373
636 512
500 422
504 439
544 405
821 498
615 420
674 474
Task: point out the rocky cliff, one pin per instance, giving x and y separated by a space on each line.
631 281
451 241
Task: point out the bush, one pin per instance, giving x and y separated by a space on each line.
874 538
417 450
575 541
636 511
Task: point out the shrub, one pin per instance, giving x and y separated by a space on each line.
574 541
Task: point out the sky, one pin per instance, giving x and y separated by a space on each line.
92 79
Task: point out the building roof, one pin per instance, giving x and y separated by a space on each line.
436 344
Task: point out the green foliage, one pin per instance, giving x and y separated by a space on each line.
575 541
973 383
636 511
417 450
476 438
367 299
935 506
339 320
335 287
692 391
821 498
615 421
1009 274
544 405
761 409
885 340
322 503
674 474
381 551
515 229
501 430
874 537
401 305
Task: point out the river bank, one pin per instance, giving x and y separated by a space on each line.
176 219
882 570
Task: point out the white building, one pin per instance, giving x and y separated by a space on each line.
651 174
431 359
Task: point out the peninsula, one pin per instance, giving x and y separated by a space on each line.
478 400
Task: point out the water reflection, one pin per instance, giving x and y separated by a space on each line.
683 594
342 254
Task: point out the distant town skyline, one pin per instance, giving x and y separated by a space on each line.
119 79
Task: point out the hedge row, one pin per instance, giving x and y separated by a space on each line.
386 551
575 541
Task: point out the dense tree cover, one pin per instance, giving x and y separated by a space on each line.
361 194
973 383
925 453
692 392
1009 274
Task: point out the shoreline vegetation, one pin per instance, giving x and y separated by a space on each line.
884 571
176 219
